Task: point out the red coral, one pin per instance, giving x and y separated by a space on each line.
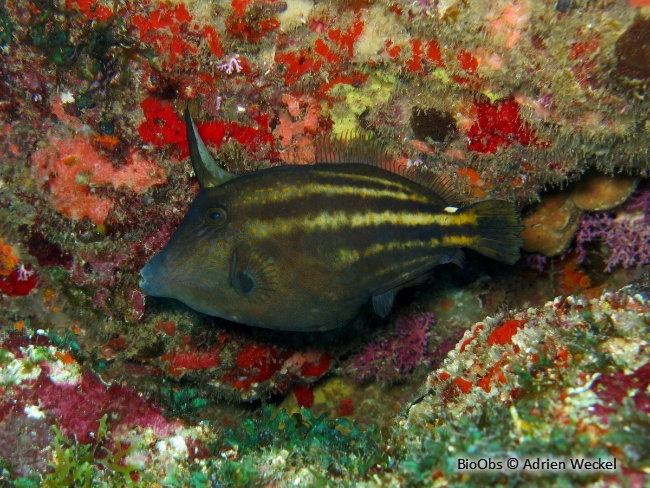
415 63
304 395
163 28
586 68
251 21
423 53
316 368
498 125
345 39
17 284
463 385
239 27
90 9
345 407
503 334
213 40
434 54
181 361
496 373
168 327
255 363
321 48
296 64
468 63
467 342
162 125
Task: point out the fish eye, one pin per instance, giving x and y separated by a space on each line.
216 216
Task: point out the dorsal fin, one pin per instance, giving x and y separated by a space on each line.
359 146
207 170
355 146
441 185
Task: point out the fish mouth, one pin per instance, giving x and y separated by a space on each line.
148 283
144 284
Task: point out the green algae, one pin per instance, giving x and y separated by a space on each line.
84 465
67 341
493 433
6 27
50 33
338 445
186 402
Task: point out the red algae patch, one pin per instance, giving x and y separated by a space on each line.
503 334
69 169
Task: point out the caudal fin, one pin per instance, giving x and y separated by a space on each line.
497 230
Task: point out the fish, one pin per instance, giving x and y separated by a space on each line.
305 247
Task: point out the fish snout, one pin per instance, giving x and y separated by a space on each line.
151 283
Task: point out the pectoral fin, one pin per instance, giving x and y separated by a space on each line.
251 274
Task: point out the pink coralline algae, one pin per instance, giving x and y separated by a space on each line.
388 358
79 407
626 233
612 388
68 169
75 398
294 127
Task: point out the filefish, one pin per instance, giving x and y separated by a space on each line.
303 248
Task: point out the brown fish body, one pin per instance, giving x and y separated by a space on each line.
304 247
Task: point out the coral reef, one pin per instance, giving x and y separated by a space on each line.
506 99
565 381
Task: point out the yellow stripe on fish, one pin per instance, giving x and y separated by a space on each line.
263 196
269 195
343 220
349 256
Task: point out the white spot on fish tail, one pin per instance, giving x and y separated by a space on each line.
451 209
